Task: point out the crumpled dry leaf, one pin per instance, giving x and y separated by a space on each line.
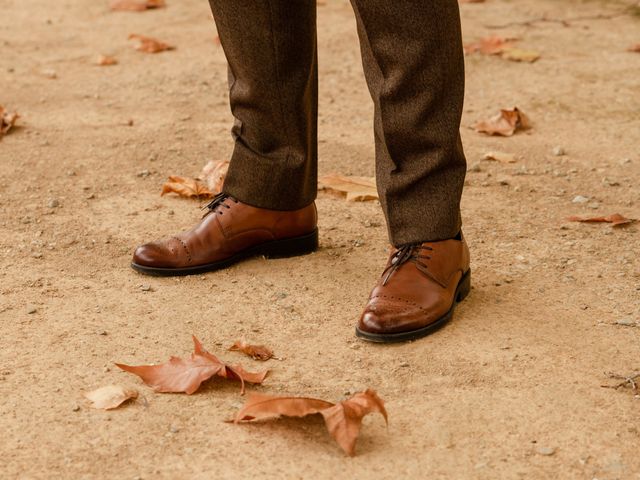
135 5
505 123
616 220
492 45
257 352
343 420
186 187
502 157
7 120
148 44
111 396
213 174
356 189
186 375
519 55
260 407
106 60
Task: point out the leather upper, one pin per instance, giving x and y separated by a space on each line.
418 292
228 228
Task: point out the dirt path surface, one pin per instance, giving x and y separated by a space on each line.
510 389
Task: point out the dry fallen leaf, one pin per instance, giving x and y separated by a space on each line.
343 420
493 45
616 220
231 372
7 120
259 407
135 5
505 123
213 174
148 44
519 55
186 375
111 396
106 60
257 352
186 187
356 189
502 157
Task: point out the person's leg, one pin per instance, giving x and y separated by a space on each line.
413 61
414 65
266 207
270 46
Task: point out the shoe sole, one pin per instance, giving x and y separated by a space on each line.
288 247
462 290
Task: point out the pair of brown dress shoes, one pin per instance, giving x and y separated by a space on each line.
415 295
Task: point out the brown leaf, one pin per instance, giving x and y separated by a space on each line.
186 187
213 174
519 55
7 120
343 420
616 220
236 372
186 375
356 189
111 396
148 44
260 407
493 45
231 372
257 352
505 123
135 5
178 375
106 60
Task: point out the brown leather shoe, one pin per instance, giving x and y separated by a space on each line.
417 292
229 232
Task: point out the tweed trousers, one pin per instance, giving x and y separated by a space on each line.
414 67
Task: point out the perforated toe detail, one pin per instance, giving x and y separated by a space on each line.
185 247
397 299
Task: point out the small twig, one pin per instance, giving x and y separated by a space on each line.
566 22
626 380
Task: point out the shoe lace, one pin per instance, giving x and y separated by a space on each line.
217 202
406 253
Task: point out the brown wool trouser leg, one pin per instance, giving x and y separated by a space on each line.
413 62
270 46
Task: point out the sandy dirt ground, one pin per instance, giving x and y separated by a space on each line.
511 389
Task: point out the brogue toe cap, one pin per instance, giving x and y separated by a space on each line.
152 255
382 317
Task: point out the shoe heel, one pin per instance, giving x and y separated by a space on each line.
291 247
464 287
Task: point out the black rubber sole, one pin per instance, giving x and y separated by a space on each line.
462 290
288 247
